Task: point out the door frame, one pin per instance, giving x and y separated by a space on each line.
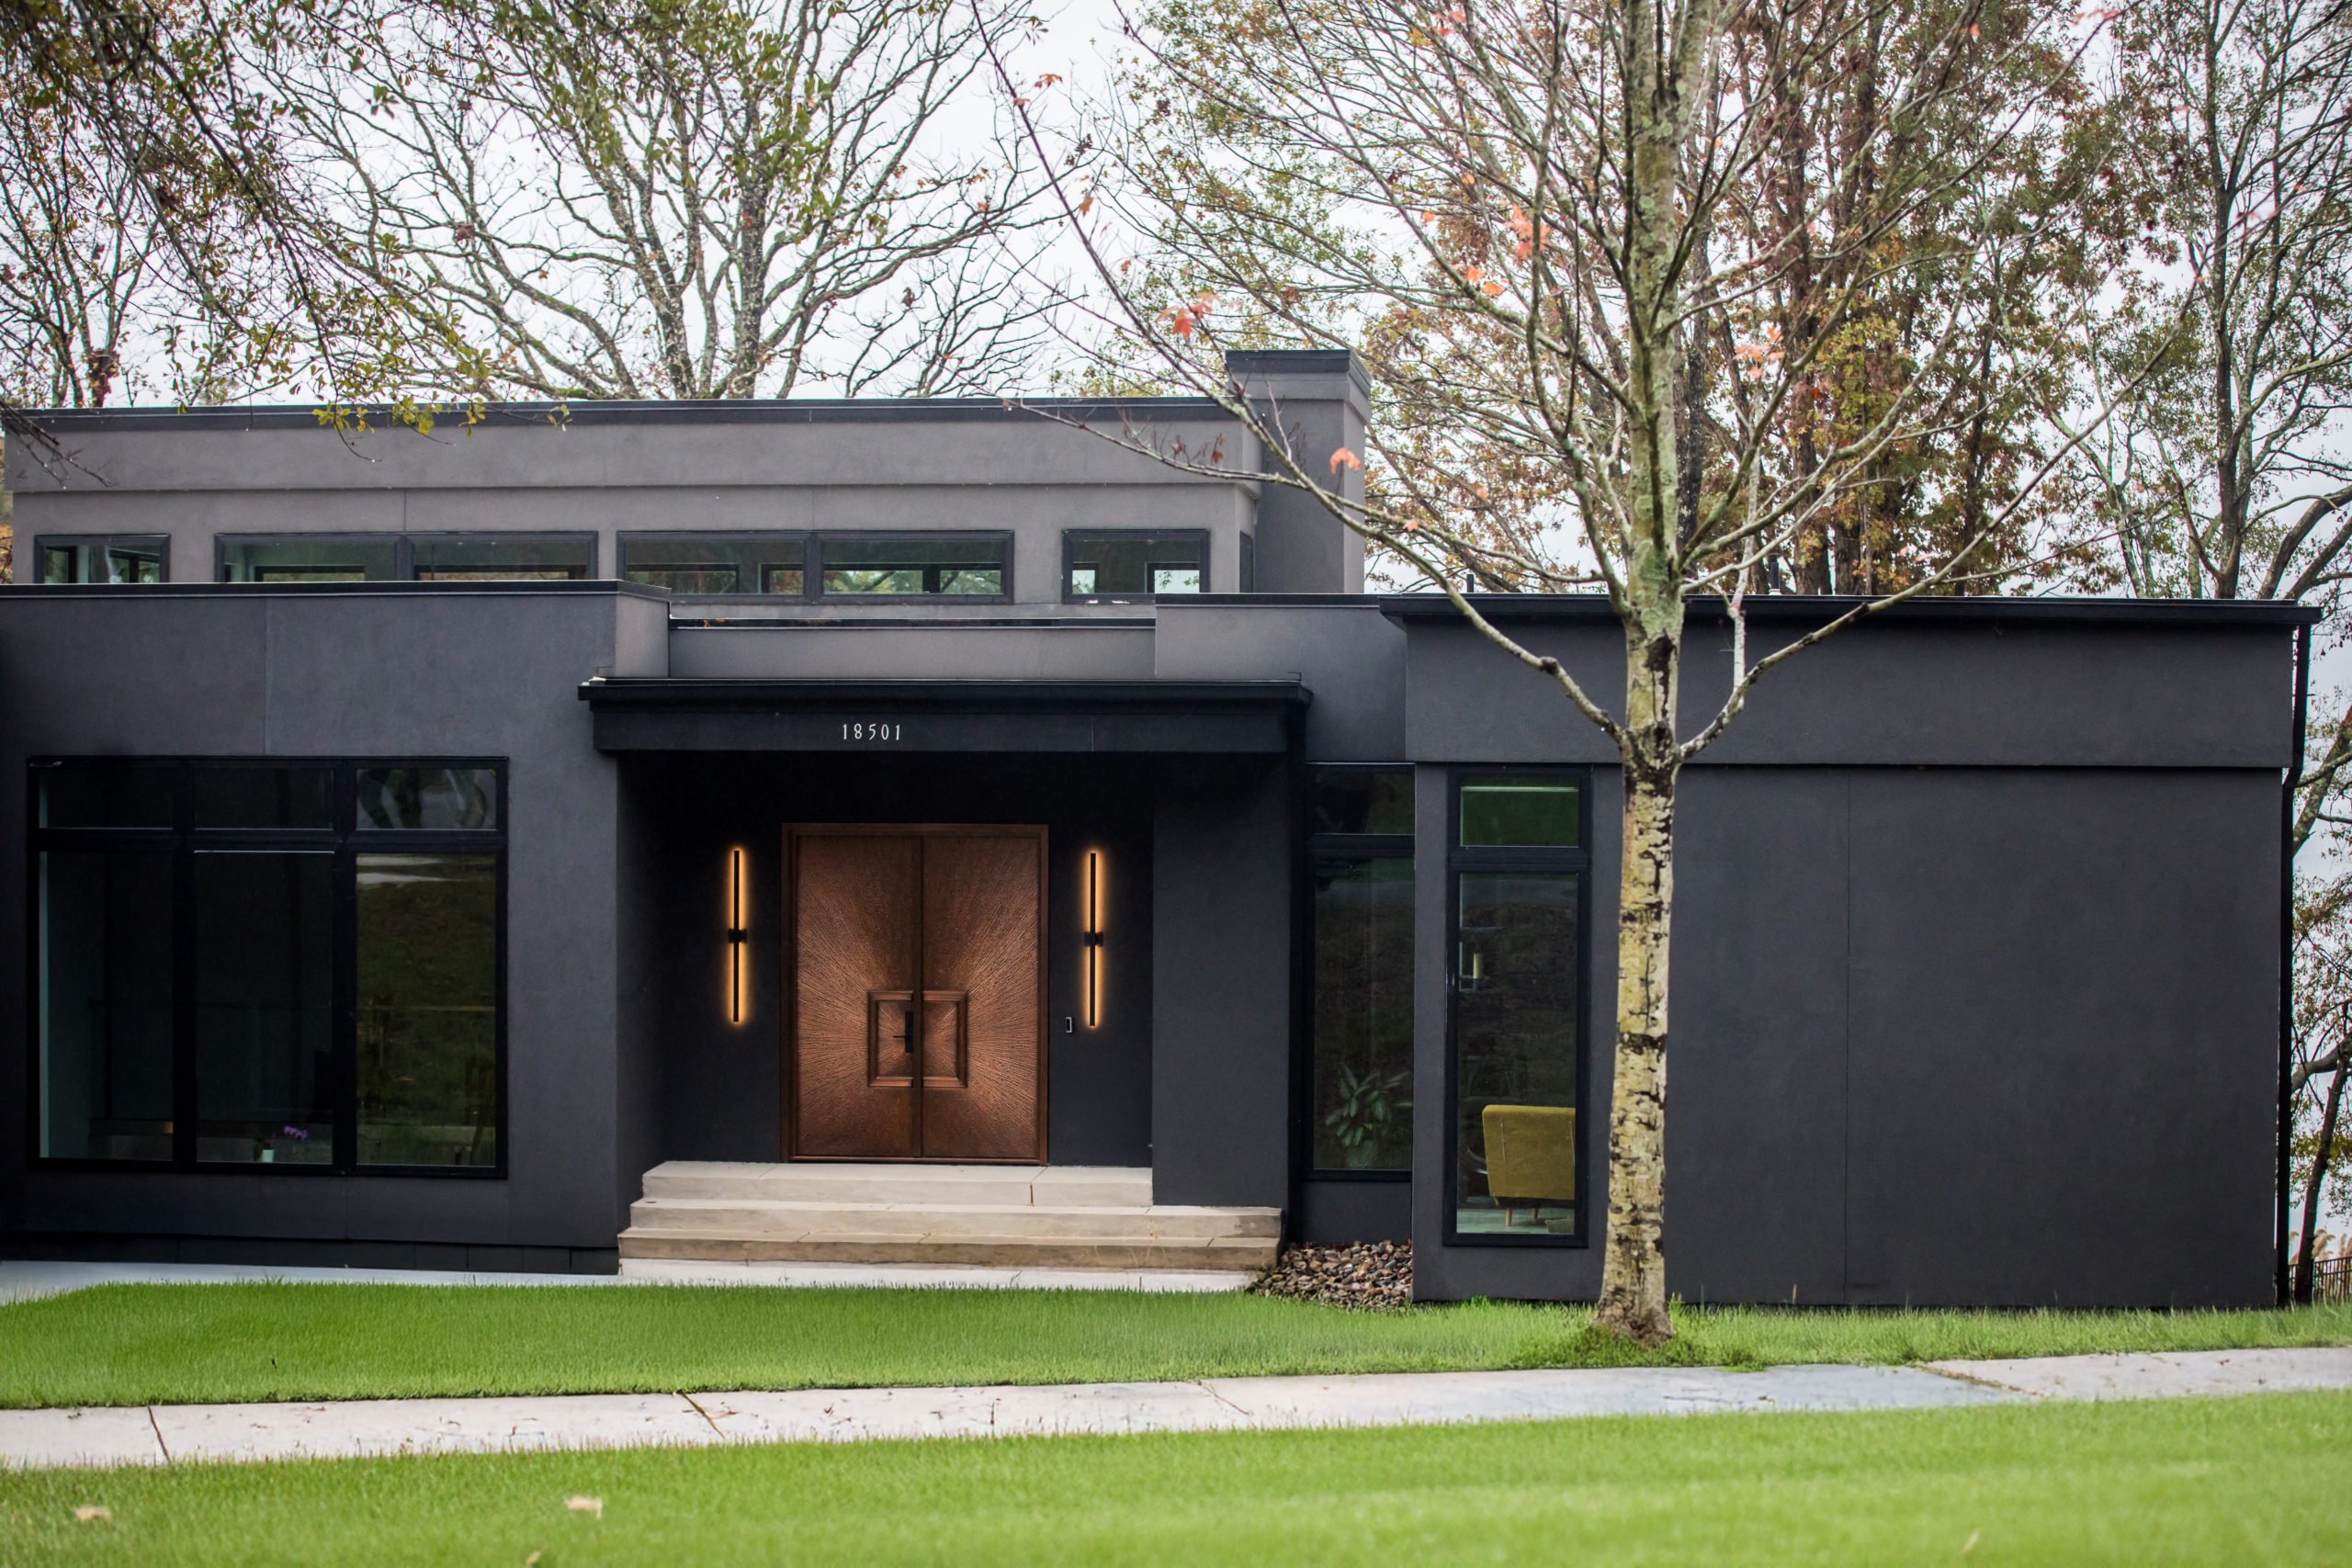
796 831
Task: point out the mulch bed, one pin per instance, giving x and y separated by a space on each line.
1375 1274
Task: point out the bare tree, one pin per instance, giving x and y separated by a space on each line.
680 199
1533 217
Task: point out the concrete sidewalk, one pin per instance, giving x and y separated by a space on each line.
167 1434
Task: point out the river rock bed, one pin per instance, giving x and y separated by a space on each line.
1371 1274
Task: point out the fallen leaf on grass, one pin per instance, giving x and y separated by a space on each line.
92 1515
1970 1544
531 1559
586 1506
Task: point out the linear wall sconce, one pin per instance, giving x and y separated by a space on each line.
1093 939
738 936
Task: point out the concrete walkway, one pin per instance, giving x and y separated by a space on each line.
166 1434
25 1280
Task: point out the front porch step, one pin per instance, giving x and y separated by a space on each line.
1223 1254
1018 1216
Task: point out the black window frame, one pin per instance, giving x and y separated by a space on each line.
1346 847
814 578
403 545
1461 858
346 841
42 543
1071 538
805 541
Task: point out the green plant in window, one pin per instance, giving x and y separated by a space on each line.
1373 1110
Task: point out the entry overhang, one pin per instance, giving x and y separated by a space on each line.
650 713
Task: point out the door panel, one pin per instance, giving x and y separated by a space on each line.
855 915
963 908
980 938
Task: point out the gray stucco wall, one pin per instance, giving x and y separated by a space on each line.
317 672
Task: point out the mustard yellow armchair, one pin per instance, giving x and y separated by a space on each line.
1531 1156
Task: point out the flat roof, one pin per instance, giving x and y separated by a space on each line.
1408 609
609 411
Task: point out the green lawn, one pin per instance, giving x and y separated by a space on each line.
2238 1482
175 1344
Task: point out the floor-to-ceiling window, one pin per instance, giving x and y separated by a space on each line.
1359 847
270 963
1515 1072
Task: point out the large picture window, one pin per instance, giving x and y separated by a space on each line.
1516 1131
246 964
1359 844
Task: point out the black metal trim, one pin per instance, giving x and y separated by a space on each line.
1336 846
346 840
763 694
1072 537
2292 776
1477 858
683 411
814 575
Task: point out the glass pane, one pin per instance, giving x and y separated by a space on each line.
105 1004
1363 1015
60 563
913 565
1134 563
1360 800
500 560
689 565
1515 1054
428 1009
264 979
79 795
362 557
134 562
433 799
1529 811
264 798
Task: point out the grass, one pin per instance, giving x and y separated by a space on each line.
202 1344
2246 1481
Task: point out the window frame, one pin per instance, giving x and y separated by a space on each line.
1343 847
1072 537
346 841
45 542
1478 858
403 546
805 540
813 580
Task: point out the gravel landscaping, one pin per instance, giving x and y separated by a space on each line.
1374 1274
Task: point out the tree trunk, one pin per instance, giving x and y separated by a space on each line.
1633 1276
2306 1270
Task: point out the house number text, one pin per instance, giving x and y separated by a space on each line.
874 731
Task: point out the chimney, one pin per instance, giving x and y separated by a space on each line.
1318 400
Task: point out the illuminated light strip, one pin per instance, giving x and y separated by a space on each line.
1093 939
736 936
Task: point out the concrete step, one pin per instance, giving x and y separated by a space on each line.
997 1251
747 1217
1060 1186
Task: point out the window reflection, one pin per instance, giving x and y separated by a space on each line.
1515 1052
444 799
1363 1014
105 1004
264 975
911 566
1138 565
686 564
428 1009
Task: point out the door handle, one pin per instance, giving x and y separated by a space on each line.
907 1030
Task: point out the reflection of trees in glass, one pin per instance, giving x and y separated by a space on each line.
1363 1014
428 1009
1515 1019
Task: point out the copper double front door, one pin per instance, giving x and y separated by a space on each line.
916 1027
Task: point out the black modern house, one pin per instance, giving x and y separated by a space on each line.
755 830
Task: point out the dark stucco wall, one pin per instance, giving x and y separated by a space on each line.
318 671
1222 920
1958 1034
